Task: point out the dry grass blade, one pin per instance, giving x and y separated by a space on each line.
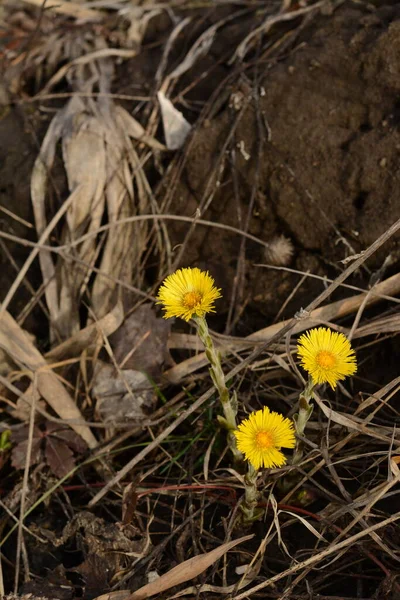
323 314
248 41
354 423
185 571
18 346
89 336
316 558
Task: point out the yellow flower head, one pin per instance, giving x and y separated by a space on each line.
261 437
326 355
188 292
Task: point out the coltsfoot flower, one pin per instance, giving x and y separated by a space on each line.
187 293
326 355
261 437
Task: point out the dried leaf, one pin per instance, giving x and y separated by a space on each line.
19 453
122 395
141 342
23 352
185 571
58 456
73 440
176 128
21 434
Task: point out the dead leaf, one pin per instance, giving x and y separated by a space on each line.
58 456
23 352
69 437
107 183
105 545
141 342
121 395
185 571
176 128
19 453
140 350
50 441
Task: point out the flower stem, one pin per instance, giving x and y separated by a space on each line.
302 417
251 497
229 403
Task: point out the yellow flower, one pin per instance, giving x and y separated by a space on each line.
261 437
187 293
326 355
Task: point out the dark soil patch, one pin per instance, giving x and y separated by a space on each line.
313 157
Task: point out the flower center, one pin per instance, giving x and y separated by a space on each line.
326 359
191 299
264 440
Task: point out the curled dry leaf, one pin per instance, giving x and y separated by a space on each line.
107 546
140 349
176 128
106 181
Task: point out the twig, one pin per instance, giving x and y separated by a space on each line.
25 485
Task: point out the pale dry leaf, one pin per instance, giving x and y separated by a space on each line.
23 352
39 182
84 154
186 571
124 243
250 572
121 395
176 128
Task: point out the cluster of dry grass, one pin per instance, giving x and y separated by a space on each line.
331 527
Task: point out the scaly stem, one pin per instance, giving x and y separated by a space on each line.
251 497
302 417
229 403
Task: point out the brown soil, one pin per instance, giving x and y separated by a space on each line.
315 156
